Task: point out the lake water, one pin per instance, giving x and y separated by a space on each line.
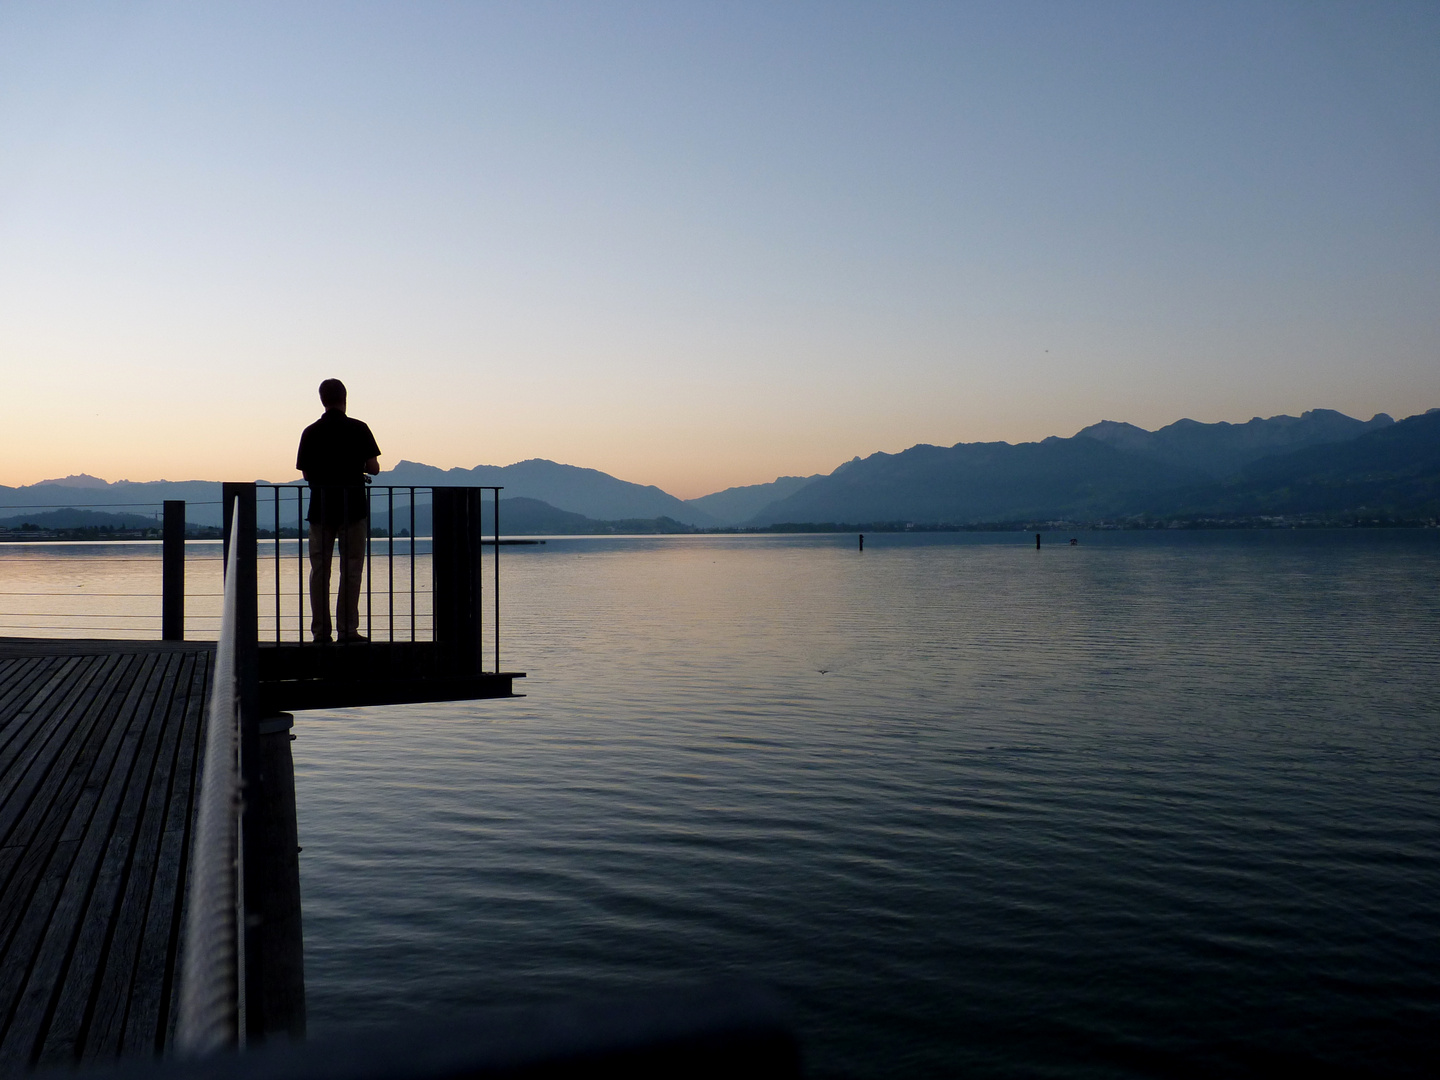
1157 804
1151 803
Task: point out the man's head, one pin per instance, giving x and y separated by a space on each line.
332 394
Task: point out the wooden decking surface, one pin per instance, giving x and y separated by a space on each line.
99 750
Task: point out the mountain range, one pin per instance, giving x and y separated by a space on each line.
1321 463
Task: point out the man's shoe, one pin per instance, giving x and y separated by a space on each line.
323 639
353 639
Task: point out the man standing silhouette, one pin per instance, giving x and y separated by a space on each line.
335 454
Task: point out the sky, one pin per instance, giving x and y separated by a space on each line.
700 245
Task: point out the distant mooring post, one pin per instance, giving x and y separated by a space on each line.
172 572
862 541
1037 541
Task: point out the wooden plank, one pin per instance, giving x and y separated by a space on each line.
126 833
105 1027
9 667
9 858
38 715
20 685
174 864
65 859
49 743
148 1022
12 647
49 840
14 676
51 727
17 687
120 765
62 683
99 760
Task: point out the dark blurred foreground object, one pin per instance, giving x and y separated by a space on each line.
714 1032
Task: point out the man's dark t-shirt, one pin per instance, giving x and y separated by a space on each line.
333 453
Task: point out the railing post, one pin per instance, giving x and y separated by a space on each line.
247 601
457 543
497 579
172 572
241 497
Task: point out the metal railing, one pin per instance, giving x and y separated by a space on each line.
212 964
139 590
403 614
397 602
96 581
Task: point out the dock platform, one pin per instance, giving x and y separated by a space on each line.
99 744
294 677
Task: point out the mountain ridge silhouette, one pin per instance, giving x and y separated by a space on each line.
1320 462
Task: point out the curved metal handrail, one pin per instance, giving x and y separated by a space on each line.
212 970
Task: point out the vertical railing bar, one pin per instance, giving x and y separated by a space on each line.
300 561
369 602
390 555
476 572
276 491
497 581
412 563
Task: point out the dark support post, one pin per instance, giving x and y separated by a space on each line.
172 572
282 965
1037 541
457 543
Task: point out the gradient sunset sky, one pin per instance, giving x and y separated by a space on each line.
699 245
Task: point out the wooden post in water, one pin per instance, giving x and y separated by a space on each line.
172 572
1037 541
457 543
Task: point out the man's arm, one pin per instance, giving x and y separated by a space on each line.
302 456
372 462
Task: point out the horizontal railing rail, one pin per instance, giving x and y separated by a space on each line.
163 586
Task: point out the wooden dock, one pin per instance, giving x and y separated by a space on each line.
99 744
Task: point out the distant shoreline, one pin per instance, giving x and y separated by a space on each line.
212 535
